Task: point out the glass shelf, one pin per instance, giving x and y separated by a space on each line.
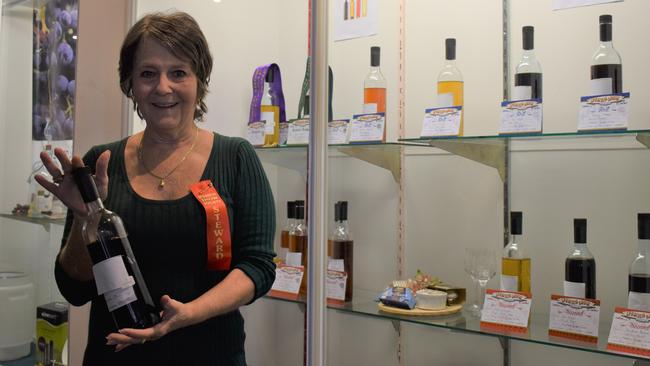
43 221
364 304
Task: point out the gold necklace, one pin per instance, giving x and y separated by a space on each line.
161 185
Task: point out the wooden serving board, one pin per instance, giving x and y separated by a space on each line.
421 312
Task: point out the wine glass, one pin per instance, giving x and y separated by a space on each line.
480 264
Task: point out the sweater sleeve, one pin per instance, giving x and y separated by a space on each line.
76 292
254 221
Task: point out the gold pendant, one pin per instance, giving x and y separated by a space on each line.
162 183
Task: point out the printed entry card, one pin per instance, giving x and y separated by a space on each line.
367 127
521 116
506 310
298 132
255 133
335 285
604 112
630 332
337 133
574 318
287 281
440 122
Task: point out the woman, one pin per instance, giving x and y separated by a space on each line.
164 68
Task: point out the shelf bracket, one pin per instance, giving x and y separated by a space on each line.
387 157
641 363
290 158
396 325
505 346
644 139
492 153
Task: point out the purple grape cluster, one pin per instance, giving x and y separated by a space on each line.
54 86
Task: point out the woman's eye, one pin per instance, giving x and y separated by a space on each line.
147 74
179 73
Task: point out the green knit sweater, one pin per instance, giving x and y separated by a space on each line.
169 242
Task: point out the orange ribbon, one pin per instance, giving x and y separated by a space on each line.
217 225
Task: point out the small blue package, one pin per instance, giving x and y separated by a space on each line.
399 297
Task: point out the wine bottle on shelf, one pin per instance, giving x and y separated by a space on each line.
298 241
606 65
529 71
117 275
515 264
270 112
450 81
639 278
340 245
288 226
580 266
374 87
40 199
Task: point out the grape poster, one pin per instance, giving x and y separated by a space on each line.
55 45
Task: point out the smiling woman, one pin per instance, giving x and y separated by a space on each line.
158 181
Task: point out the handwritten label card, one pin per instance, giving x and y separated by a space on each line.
521 116
604 112
337 132
441 121
335 285
367 127
287 281
284 132
255 133
574 318
630 332
506 310
298 132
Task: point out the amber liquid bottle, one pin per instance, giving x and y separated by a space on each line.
515 264
340 245
270 112
298 241
374 88
288 226
450 80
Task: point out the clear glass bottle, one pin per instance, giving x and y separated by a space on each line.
606 65
639 277
341 246
450 81
515 263
298 241
374 87
288 226
270 112
529 71
40 199
580 265
116 272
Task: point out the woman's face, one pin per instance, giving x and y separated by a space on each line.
164 87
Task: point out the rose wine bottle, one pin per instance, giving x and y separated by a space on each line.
450 81
515 264
639 278
340 245
606 66
529 72
374 87
270 112
117 275
580 266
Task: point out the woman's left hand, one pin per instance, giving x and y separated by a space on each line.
175 315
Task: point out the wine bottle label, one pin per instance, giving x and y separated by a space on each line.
269 117
117 298
110 274
574 289
217 226
601 86
336 265
509 283
294 259
638 301
370 108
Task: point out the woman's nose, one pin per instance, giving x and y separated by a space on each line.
164 85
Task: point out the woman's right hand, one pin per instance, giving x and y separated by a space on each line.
63 185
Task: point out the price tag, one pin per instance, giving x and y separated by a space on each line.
284 132
506 310
298 132
521 116
630 332
367 127
337 132
574 318
255 133
287 281
335 285
604 112
443 121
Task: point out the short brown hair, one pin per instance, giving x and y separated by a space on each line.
180 34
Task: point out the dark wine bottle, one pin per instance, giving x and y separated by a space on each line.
529 71
580 266
117 275
340 245
639 277
606 65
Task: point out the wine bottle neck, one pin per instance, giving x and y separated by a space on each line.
94 206
644 246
